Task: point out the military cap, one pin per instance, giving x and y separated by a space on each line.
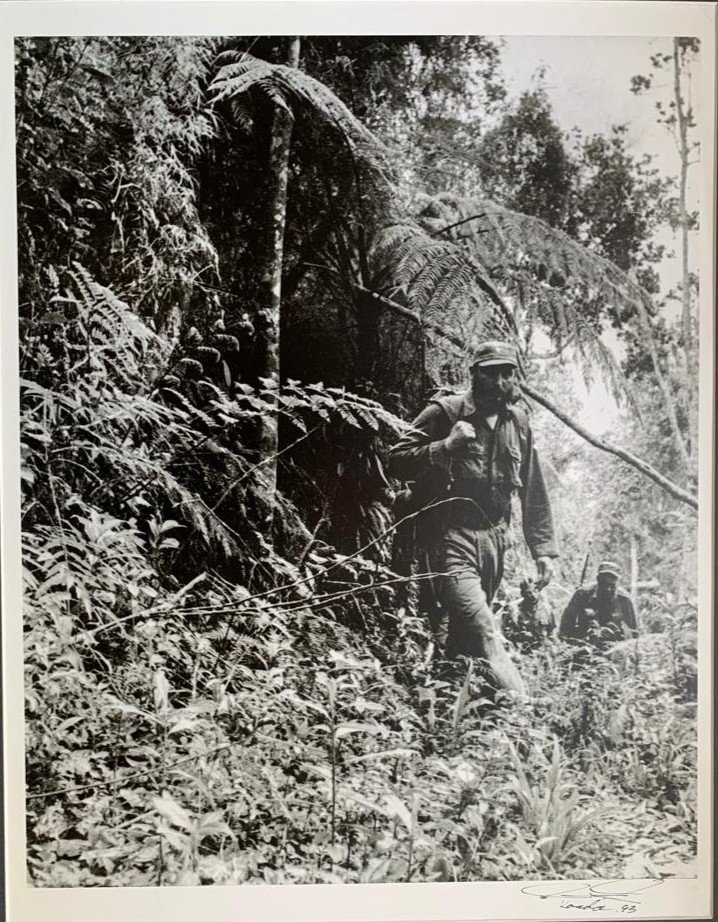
494 352
609 568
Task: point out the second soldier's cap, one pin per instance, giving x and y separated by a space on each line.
494 352
609 568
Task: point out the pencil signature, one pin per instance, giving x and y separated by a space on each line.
597 895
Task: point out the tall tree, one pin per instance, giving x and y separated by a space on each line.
269 314
676 113
683 50
289 91
526 163
677 116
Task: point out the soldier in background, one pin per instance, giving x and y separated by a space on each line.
600 614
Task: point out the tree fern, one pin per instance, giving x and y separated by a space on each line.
439 280
496 235
292 88
463 256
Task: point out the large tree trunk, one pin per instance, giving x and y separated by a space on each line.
271 291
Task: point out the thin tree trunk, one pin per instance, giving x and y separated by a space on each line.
668 396
634 571
271 292
689 567
683 211
634 596
689 346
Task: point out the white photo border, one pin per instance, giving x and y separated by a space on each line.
421 902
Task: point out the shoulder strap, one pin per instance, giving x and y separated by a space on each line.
451 405
517 427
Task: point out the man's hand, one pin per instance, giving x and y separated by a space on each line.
544 569
460 435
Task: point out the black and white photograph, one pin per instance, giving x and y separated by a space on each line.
363 412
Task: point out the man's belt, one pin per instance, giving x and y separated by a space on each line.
469 514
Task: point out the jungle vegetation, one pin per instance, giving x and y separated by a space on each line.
244 265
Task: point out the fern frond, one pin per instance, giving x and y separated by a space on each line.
293 88
438 279
117 340
444 262
495 233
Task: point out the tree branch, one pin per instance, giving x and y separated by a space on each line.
397 308
677 492
406 312
449 227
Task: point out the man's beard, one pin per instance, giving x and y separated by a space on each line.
605 596
489 395
510 394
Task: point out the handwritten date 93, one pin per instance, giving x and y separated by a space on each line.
595 896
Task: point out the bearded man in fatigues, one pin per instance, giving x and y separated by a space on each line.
476 450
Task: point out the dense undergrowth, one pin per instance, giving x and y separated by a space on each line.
287 724
247 738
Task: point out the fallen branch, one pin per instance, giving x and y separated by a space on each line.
677 492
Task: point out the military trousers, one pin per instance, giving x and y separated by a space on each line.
471 563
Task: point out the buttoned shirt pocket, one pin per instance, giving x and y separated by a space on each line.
472 463
513 467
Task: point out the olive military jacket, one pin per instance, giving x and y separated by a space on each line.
586 618
498 463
